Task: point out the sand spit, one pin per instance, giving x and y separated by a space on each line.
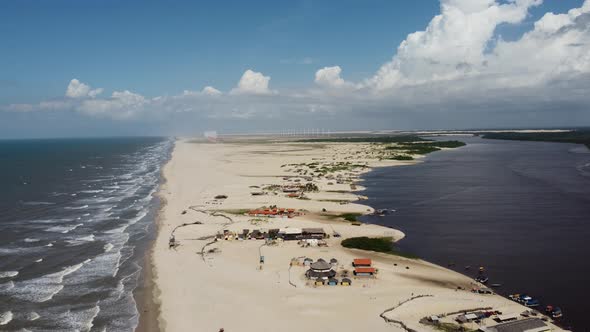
206 284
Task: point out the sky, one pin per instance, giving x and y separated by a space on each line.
104 68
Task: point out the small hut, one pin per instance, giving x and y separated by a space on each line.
319 282
320 269
333 282
346 282
307 261
333 262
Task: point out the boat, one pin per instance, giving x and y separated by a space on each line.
514 297
532 303
482 279
496 285
524 298
556 313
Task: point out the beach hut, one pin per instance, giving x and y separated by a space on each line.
333 282
320 269
319 282
307 261
364 271
346 282
333 262
363 262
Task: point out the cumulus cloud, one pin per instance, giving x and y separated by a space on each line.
122 104
207 91
253 83
77 89
457 65
329 77
453 45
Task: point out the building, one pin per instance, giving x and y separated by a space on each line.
290 233
362 262
364 271
313 233
346 282
523 325
320 270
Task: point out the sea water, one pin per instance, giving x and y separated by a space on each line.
75 216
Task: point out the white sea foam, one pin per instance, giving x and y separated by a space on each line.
76 207
81 240
43 288
49 244
108 247
4 287
63 229
8 274
30 240
39 260
5 317
32 316
95 191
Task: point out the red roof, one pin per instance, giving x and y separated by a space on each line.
364 270
362 262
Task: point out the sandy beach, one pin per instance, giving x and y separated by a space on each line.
205 283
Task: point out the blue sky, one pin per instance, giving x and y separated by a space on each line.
156 48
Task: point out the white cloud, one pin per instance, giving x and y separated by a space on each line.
253 83
453 45
121 105
211 91
77 89
456 65
329 77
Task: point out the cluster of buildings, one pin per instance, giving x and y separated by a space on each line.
322 272
312 235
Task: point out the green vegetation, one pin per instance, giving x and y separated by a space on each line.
368 139
401 157
378 244
581 136
425 147
350 216
236 211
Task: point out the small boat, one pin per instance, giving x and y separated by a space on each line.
482 279
532 303
556 313
496 285
524 298
549 309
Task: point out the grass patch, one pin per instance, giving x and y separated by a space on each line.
369 139
350 216
236 211
401 157
378 244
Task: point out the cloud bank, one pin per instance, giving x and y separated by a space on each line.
456 72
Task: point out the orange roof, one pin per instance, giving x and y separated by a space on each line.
364 270
290 210
362 261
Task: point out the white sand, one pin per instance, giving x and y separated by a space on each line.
227 289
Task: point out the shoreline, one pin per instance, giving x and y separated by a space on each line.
147 292
428 278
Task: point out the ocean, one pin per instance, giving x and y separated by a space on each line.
76 216
519 209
